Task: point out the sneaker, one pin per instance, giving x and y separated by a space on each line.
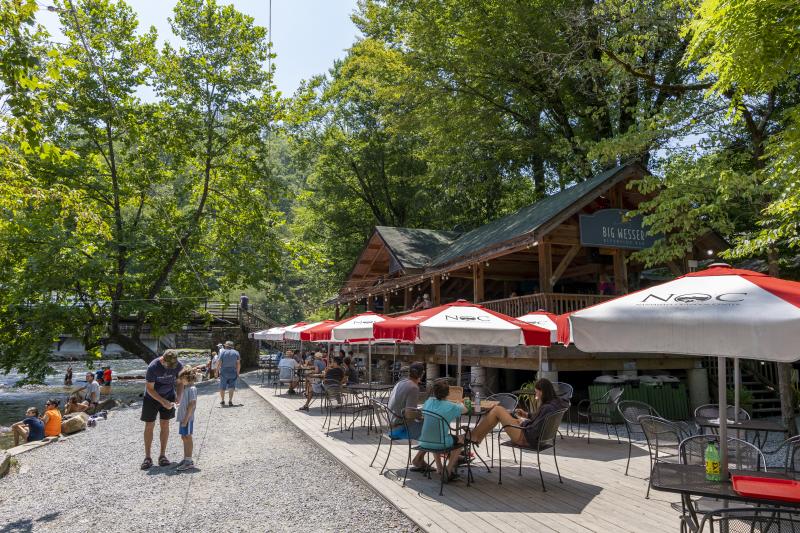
291 391
230 403
222 403
186 464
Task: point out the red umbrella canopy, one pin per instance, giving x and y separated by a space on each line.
461 322
320 332
545 320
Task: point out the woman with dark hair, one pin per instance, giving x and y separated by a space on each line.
531 424
52 419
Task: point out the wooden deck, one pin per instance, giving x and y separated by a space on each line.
595 495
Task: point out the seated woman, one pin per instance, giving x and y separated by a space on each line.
350 371
431 436
75 405
31 428
52 419
334 372
531 425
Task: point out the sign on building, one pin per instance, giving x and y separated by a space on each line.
606 229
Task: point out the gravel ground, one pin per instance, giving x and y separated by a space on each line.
255 472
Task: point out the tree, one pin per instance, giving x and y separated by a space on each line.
164 203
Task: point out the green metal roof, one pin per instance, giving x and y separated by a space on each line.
523 222
414 248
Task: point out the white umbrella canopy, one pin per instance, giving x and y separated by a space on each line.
274 334
358 327
543 319
721 311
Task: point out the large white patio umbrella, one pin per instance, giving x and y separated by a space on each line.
461 323
358 328
721 311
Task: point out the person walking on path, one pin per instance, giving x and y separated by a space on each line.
159 401
186 408
228 368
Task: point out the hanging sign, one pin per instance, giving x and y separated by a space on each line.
606 229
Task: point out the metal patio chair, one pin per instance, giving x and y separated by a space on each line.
600 410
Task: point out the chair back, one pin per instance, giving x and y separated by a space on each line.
285 374
507 401
631 410
383 416
663 437
791 463
750 520
549 433
563 390
741 454
711 410
435 429
333 389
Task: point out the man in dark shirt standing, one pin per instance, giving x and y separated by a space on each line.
159 401
244 302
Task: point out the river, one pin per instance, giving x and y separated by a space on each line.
15 400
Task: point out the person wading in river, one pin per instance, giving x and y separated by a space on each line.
159 401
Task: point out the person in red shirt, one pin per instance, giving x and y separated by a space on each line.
107 376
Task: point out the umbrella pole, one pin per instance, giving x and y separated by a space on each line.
723 419
458 372
539 370
737 387
369 362
446 353
394 362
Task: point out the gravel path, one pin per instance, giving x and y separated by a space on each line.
255 472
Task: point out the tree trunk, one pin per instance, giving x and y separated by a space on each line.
785 388
134 344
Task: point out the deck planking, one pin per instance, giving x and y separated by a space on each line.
596 496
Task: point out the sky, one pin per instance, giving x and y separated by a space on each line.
307 35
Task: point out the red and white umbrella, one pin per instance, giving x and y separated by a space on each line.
319 332
274 334
543 319
720 311
358 327
461 323
293 333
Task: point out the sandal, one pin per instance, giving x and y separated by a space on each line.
146 464
163 461
453 477
424 468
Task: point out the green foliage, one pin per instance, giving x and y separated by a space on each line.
135 211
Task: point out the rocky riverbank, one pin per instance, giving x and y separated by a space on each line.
256 472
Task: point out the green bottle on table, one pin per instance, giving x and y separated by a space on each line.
712 462
468 405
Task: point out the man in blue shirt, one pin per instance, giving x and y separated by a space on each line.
30 429
228 368
159 401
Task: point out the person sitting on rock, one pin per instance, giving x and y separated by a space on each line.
52 419
92 394
30 429
75 405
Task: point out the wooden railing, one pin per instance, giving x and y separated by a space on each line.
250 319
553 302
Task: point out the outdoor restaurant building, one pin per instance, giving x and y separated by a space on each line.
565 252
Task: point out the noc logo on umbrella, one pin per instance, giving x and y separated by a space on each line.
696 298
466 317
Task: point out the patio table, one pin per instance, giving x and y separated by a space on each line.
760 428
690 480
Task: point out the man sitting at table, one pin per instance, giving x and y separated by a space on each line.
333 372
431 436
405 394
287 374
531 425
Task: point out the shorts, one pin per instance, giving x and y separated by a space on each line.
186 430
227 380
151 409
399 433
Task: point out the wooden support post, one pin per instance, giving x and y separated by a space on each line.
387 302
620 272
545 267
351 308
436 290
337 313
477 282
369 303
406 298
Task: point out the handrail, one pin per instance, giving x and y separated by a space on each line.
553 302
